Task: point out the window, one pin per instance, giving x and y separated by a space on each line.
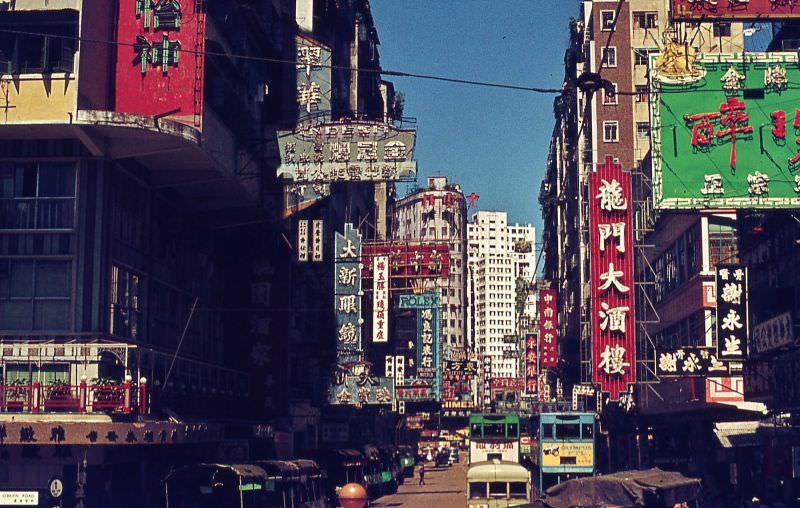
606 20
52 49
35 294
722 244
645 20
37 196
498 489
642 130
610 98
568 431
609 57
642 93
477 490
722 29
611 131
125 300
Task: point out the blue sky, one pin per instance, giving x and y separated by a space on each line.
493 142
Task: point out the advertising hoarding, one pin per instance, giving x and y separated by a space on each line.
732 313
734 10
548 328
558 456
160 59
725 130
480 451
611 254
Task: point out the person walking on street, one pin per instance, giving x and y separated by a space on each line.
422 474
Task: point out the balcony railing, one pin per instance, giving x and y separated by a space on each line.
36 397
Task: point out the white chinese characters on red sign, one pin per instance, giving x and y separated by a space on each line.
548 328
611 243
380 300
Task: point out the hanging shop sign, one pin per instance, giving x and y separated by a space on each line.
347 285
362 390
774 333
465 366
313 77
508 383
302 241
725 133
380 300
690 361
417 392
487 380
428 367
531 365
611 254
317 152
298 197
734 10
409 260
160 59
548 328
732 318
316 240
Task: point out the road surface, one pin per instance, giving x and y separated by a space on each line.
445 487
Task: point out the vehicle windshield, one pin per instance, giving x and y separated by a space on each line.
518 490
477 490
497 489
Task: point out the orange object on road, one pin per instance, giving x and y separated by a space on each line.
353 495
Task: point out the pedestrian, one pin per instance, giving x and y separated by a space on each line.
422 474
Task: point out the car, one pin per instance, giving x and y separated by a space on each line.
454 454
443 458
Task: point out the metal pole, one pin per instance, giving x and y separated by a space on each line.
180 342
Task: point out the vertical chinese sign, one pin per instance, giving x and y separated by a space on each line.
732 322
531 368
302 241
160 58
487 382
548 328
316 240
380 299
611 246
347 281
313 77
428 367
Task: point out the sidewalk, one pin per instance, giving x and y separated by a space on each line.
445 487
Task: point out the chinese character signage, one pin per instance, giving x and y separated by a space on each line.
726 130
734 10
531 365
380 300
362 390
508 383
313 77
548 328
316 240
160 57
611 254
487 380
302 241
410 260
690 361
428 348
416 392
346 152
772 334
347 283
732 322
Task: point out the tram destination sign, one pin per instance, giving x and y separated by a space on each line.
725 130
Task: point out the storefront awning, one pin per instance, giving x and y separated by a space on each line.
737 434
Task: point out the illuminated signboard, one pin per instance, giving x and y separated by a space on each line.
428 367
734 10
380 300
160 59
690 361
508 383
725 131
313 77
548 328
732 313
531 368
346 152
611 254
409 260
362 390
347 284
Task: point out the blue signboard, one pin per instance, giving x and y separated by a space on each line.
427 300
428 362
347 286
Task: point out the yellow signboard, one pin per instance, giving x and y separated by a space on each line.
567 454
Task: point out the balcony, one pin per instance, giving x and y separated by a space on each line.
86 397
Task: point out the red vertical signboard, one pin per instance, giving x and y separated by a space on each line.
548 328
611 255
160 59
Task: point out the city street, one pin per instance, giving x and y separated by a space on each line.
444 487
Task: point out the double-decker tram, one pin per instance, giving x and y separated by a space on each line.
564 447
493 437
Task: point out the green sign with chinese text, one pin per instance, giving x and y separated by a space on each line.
726 131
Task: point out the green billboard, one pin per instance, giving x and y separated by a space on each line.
725 130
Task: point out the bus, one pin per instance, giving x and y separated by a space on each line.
498 484
563 448
493 436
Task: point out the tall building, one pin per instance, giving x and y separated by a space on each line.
438 214
501 262
674 253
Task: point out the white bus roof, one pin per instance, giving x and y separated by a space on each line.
497 471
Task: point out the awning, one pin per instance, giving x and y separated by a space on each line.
737 434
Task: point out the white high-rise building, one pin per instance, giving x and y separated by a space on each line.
499 257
